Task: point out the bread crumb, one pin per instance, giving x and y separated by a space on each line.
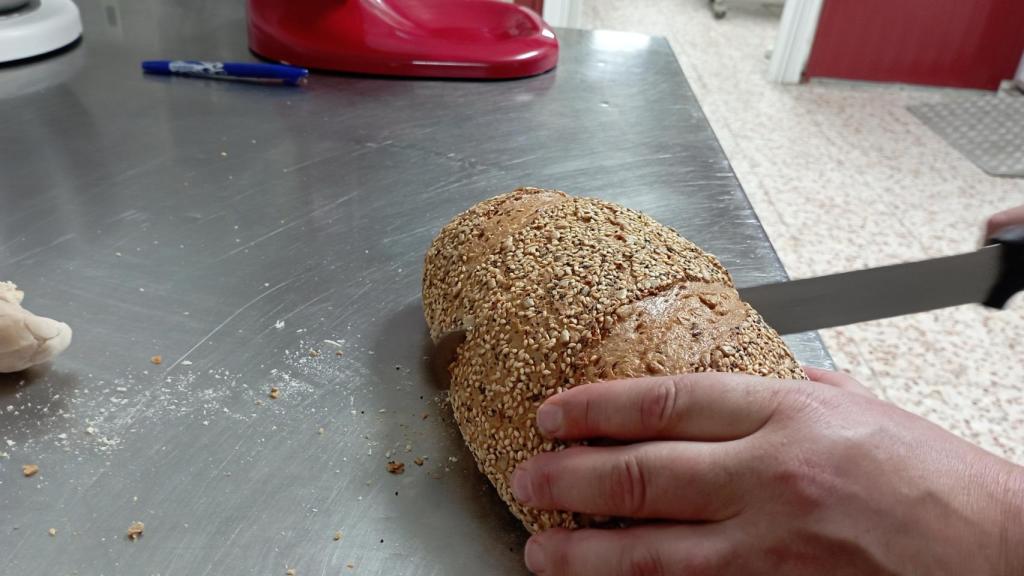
29 470
135 530
339 353
314 353
290 572
52 531
337 535
274 393
418 461
156 359
395 467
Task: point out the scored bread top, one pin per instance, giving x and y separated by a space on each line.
556 291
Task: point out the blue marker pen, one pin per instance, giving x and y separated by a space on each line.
290 75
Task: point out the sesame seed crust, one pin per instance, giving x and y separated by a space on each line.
556 291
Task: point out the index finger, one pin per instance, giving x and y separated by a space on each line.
706 406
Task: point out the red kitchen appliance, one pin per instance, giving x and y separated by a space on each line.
484 39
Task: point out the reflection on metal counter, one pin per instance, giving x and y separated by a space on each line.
259 240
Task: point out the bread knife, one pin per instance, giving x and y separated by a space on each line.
989 276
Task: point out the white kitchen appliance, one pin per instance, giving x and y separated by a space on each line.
30 28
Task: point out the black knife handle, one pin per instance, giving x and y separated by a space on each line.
1011 272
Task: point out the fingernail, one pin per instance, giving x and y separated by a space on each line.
549 419
521 488
534 555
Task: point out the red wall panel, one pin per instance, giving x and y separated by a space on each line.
967 43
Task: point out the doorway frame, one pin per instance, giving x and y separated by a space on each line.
792 45
794 41
563 13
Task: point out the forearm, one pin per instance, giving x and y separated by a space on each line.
1012 521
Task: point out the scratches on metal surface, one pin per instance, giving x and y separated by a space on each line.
126 215
229 319
411 232
310 162
64 238
270 234
294 312
136 169
224 548
346 307
284 227
12 242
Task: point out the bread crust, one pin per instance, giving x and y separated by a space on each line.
557 291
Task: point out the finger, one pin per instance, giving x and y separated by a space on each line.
654 480
839 380
707 406
1003 219
653 549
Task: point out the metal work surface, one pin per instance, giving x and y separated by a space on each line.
264 237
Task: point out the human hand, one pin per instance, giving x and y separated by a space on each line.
1003 219
760 476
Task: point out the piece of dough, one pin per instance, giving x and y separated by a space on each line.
557 291
27 339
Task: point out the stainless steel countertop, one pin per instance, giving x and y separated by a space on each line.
233 229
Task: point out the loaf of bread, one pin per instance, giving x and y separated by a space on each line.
557 291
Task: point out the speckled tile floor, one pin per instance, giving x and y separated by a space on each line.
844 177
